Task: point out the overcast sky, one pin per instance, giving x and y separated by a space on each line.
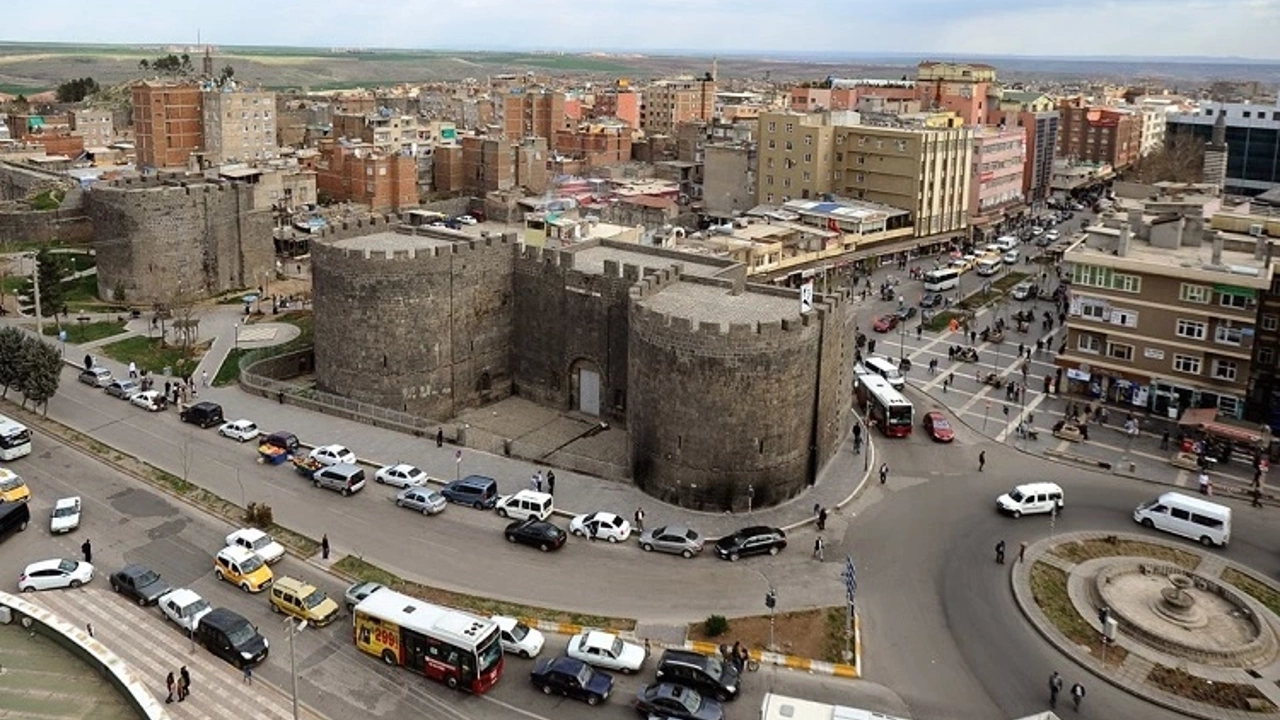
1220 28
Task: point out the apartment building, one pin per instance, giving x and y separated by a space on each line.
168 123
620 103
1098 134
95 124
667 103
239 125
533 112
361 173
795 157
596 144
1036 114
1162 310
961 88
999 157
1151 136
386 129
1252 135
729 178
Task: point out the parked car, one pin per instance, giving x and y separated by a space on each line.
518 638
230 636
150 400
96 377
302 600
401 475
885 323
257 542
906 312
424 500
932 300
333 455
343 478
1011 257
676 702
123 389
478 491
65 516
184 608
242 568
13 489
240 430
674 539
1025 290
755 540
56 573
358 592
140 583
938 427
606 650
601 526
205 414
708 674
466 219
536 533
572 678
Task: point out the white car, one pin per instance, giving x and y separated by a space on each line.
1053 234
606 650
601 526
150 400
258 543
466 219
184 608
333 455
56 573
518 638
241 430
401 475
65 516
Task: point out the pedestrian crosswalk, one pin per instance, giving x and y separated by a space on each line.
153 648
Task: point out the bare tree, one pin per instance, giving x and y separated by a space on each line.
1180 160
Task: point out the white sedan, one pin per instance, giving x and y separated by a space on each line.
333 455
466 219
401 475
518 638
258 543
241 430
184 608
151 400
606 650
56 573
601 526
65 516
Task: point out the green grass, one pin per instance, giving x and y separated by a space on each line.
942 320
1009 280
1250 586
88 332
48 200
1049 588
82 290
83 260
152 355
230 370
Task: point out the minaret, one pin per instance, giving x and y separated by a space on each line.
1215 153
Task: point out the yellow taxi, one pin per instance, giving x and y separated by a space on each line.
12 488
242 568
302 600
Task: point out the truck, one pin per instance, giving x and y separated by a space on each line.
781 707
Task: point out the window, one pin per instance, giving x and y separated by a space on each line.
1200 294
1239 302
808 139
839 157
1126 283
1186 364
862 140
808 157
1127 318
768 163
786 182
772 145
1230 407
902 146
1120 351
1091 344
840 139
1227 334
768 179
862 159
1104 277
1094 309
1191 329
1270 323
859 177
1225 370
790 127
769 198
1266 357
807 176
788 145
837 174
773 127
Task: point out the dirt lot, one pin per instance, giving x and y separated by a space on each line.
816 634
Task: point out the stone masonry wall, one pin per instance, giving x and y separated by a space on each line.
715 410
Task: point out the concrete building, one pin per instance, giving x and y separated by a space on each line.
961 88
168 123
620 103
1037 114
999 158
1151 137
795 156
667 103
239 125
360 173
533 112
1098 134
95 124
729 178
1163 308
1252 135
387 130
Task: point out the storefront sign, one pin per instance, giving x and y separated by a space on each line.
1234 291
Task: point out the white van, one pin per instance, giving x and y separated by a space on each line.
1007 242
885 369
1032 498
989 266
526 504
1205 522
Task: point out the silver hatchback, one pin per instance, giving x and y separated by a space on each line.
674 539
427 502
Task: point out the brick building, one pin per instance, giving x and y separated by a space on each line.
620 103
360 173
533 113
1098 134
167 123
961 88
667 103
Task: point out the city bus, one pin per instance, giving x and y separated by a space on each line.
446 645
942 279
781 707
886 407
15 439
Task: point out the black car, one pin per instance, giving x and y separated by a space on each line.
756 540
536 533
231 637
204 414
140 583
677 702
906 312
931 300
707 674
572 678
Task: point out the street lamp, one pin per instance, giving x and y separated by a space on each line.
292 629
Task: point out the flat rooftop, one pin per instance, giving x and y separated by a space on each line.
706 303
591 260
391 241
41 679
1176 260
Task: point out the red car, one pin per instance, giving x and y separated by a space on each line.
938 427
885 323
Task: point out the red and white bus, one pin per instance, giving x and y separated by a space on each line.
886 407
450 646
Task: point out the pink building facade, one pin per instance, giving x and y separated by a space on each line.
999 157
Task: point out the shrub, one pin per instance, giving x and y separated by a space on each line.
715 626
259 515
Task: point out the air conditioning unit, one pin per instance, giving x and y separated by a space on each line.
1255 230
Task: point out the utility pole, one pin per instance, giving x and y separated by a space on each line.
35 285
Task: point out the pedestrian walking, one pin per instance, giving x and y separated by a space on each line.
884 473
639 519
1000 552
1204 483
324 546
439 437
1055 687
87 549
171 685
185 686
1022 551
857 432
204 378
88 361
1164 440
551 482
1077 694
982 459
248 674
945 382
818 545
1257 496
919 331
133 371
822 519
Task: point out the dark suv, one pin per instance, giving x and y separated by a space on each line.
707 674
478 491
756 540
204 414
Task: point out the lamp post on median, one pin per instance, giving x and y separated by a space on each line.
292 629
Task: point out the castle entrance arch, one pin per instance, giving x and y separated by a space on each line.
586 387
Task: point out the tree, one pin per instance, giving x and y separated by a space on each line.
1179 160
174 65
42 369
10 357
52 270
77 90
228 72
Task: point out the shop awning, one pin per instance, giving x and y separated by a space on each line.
1235 291
1205 419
